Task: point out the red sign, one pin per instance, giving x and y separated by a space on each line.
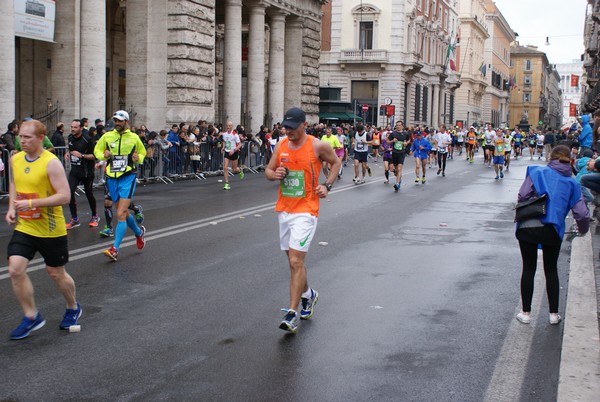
572 110
574 80
390 110
365 108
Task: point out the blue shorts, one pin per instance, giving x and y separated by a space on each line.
122 187
498 160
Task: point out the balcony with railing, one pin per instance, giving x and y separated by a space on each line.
364 56
593 74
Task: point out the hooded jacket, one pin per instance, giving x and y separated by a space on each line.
585 138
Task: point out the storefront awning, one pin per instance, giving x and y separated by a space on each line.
331 116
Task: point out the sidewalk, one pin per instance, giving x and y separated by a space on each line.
579 378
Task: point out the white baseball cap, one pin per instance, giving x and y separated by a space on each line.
121 115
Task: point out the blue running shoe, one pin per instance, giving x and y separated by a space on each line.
308 305
139 216
71 317
27 326
290 321
106 232
501 175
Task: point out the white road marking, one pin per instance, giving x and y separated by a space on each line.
74 255
509 373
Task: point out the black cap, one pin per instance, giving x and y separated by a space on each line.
97 121
293 118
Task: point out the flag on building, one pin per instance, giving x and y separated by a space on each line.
451 54
574 80
572 110
483 68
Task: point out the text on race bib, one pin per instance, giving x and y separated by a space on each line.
293 184
118 163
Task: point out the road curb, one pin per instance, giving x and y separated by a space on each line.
579 377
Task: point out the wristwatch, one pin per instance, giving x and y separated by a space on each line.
328 186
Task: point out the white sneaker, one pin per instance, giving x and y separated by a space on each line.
524 318
555 318
356 180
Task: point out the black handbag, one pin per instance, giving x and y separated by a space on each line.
531 208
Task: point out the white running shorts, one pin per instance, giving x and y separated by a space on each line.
296 230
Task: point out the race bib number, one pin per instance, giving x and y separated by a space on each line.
118 163
32 214
376 142
293 184
398 145
360 146
75 160
499 149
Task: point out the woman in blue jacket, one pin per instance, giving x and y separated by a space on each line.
420 149
563 194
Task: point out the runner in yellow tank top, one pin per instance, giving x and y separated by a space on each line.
296 163
38 190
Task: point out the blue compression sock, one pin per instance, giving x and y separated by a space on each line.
120 230
133 226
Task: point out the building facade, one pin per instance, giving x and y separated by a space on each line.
590 97
554 115
497 58
167 61
570 86
473 70
391 52
536 98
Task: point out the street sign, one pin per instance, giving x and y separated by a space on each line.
365 108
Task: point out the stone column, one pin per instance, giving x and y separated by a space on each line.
435 106
256 67
8 66
293 63
410 102
276 65
65 78
191 54
232 61
146 75
93 59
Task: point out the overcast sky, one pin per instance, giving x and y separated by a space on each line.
560 20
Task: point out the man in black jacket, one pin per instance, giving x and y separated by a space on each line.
81 155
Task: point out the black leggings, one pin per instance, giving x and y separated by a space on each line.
442 156
529 252
88 187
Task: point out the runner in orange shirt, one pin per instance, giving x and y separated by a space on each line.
296 163
471 143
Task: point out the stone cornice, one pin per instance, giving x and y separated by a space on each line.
303 8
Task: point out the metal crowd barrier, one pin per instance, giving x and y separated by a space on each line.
186 161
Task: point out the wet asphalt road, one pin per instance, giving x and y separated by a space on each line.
418 295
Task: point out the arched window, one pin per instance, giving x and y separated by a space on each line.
366 24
